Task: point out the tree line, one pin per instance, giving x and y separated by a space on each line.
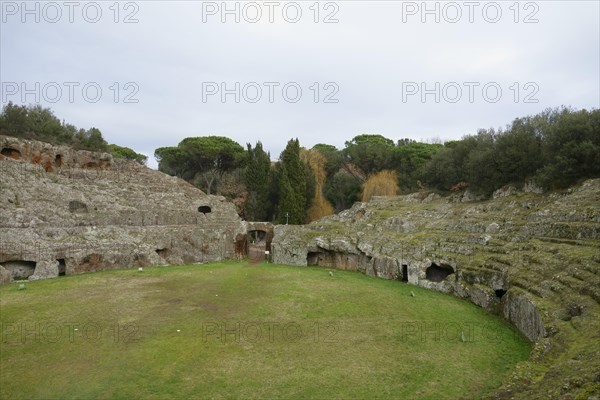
304 184
40 123
556 148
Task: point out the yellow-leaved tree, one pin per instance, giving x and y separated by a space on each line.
320 206
383 183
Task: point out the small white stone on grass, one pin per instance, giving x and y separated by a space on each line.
412 293
140 269
21 286
178 330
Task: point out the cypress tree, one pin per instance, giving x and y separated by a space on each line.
292 185
257 179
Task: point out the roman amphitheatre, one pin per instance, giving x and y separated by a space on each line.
413 296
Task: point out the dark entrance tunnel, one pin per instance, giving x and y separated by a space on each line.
257 244
20 269
312 258
62 267
404 277
204 209
11 153
437 273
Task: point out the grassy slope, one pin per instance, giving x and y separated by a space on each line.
361 337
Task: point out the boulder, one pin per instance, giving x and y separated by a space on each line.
507 190
492 228
45 270
5 276
469 195
524 314
532 187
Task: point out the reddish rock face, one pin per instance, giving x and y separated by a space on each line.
241 245
52 157
92 262
11 153
35 156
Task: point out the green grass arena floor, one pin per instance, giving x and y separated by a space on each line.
240 330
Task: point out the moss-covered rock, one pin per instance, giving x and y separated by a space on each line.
533 259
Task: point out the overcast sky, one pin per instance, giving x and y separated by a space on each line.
320 71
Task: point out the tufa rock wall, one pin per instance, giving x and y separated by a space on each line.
66 212
532 259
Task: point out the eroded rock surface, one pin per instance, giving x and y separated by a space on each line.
532 259
80 211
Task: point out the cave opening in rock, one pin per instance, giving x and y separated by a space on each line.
500 293
312 258
11 153
62 267
404 273
204 209
437 273
20 269
58 161
164 253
